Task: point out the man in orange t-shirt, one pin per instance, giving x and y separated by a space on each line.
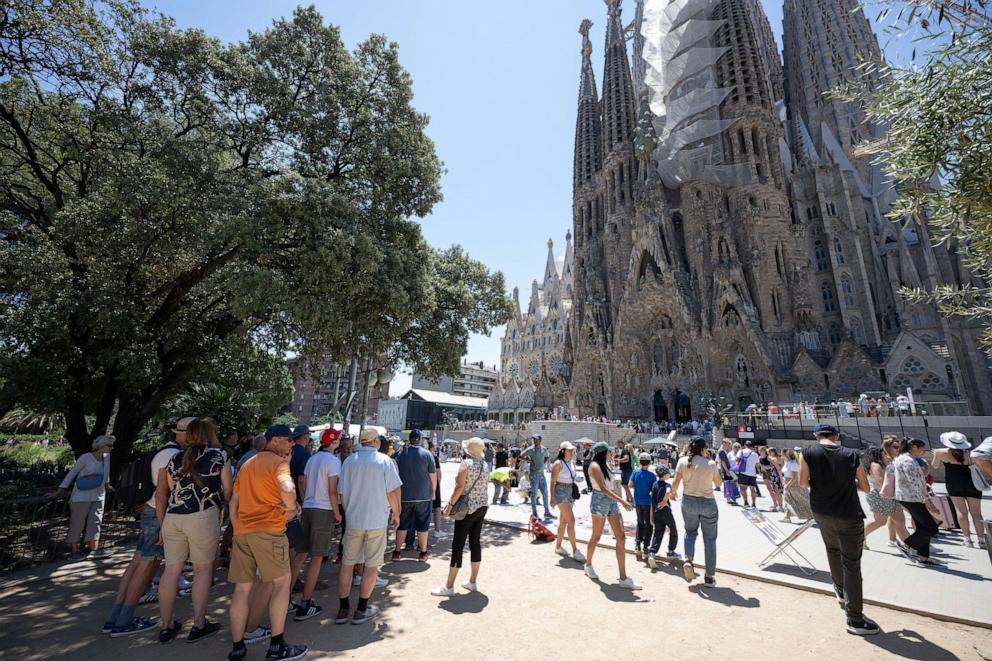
264 500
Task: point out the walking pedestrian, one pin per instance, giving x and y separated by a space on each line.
773 478
834 475
418 473
956 460
746 469
698 475
264 500
886 511
564 485
641 482
470 484
537 455
625 461
370 489
661 510
88 477
911 492
317 520
796 497
436 504
605 506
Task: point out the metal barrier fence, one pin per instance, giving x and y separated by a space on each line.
860 430
33 528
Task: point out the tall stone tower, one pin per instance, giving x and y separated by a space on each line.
726 249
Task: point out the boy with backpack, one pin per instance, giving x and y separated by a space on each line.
144 486
661 497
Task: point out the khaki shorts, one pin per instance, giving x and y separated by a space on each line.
85 516
318 527
265 554
371 543
191 536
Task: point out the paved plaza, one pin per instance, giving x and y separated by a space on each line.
529 598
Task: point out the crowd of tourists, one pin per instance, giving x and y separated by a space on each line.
270 514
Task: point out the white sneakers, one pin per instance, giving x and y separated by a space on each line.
578 557
629 584
380 582
443 591
470 586
591 573
561 551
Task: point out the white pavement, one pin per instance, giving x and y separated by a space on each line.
959 591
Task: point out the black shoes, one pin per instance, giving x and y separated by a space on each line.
199 633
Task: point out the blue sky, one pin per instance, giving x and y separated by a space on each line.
499 81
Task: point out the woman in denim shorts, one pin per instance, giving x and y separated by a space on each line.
562 481
606 505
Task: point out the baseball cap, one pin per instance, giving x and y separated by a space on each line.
328 436
278 430
566 446
182 424
644 456
599 447
300 430
536 437
415 434
824 428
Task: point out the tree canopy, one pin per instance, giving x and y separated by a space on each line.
168 199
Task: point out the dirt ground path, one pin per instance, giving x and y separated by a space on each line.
531 604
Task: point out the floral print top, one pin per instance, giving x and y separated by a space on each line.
911 480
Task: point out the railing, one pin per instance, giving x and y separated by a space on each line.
33 529
861 429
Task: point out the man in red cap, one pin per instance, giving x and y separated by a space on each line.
319 485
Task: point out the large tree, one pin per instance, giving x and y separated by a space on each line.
166 196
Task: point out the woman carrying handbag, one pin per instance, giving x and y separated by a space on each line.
467 508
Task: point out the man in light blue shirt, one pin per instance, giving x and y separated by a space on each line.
369 488
537 455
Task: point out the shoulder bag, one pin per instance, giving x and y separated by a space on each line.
978 478
458 510
576 494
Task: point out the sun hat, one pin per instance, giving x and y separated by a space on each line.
566 446
104 441
328 436
183 424
475 446
955 440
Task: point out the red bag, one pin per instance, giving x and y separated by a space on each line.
539 531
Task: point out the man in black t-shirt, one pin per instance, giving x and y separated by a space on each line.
833 475
502 456
626 468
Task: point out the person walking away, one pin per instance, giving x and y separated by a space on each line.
470 483
418 473
563 481
885 511
489 455
317 520
796 497
911 492
370 489
605 506
747 474
88 477
834 475
698 475
625 460
148 552
641 482
957 462
537 455
264 500
199 485
298 458
661 510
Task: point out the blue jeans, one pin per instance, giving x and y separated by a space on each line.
537 482
703 512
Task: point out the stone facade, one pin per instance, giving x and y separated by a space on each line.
534 372
726 248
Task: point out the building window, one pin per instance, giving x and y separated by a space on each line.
829 299
820 254
839 250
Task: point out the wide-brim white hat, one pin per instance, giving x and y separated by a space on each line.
566 446
475 446
955 440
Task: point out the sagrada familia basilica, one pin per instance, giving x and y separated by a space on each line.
728 243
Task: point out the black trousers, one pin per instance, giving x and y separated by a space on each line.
924 528
643 525
845 541
664 519
469 528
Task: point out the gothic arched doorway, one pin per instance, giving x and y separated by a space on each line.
660 407
683 406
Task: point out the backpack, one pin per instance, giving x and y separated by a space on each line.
135 485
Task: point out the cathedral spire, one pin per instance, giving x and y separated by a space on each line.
618 90
588 137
